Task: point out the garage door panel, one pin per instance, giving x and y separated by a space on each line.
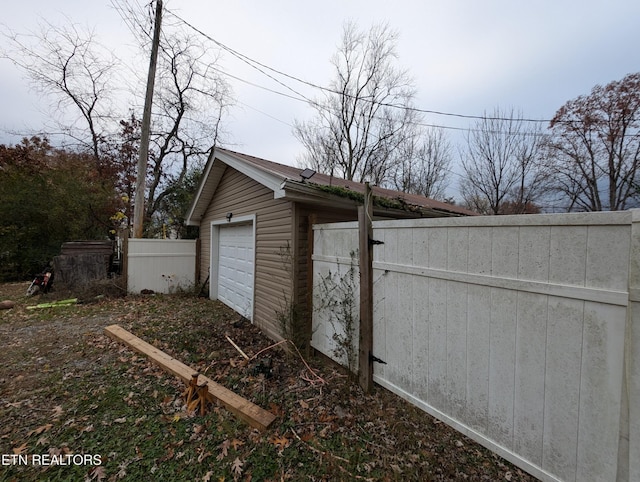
236 268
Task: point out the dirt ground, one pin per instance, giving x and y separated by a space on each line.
59 370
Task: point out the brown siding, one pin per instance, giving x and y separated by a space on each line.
243 196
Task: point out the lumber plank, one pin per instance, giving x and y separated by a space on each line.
241 407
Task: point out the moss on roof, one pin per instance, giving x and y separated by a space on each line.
379 201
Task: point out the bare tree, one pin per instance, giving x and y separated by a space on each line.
191 100
504 169
596 147
424 163
68 65
364 118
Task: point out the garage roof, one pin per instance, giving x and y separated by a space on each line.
286 182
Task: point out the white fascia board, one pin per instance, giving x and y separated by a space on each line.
189 221
280 192
267 179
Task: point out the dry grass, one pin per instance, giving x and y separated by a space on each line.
65 388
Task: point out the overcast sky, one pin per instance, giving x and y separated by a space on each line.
466 57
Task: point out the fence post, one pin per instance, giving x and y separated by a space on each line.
365 346
628 461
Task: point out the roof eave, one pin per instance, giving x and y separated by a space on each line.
193 216
203 196
302 192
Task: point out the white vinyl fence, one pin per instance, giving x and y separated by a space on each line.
161 265
522 332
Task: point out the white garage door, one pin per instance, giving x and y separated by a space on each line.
235 268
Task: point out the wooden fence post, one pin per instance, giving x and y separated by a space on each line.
365 230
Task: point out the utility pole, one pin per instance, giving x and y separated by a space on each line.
138 208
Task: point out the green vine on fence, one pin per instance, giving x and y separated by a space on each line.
337 296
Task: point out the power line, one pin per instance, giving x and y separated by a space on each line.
258 86
261 67
266 114
254 63
302 98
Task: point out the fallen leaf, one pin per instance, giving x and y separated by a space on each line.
97 473
20 450
168 455
207 476
325 417
255 436
203 455
276 409
120 420
280 443
122 473
57 411
236 466
235 443
303 404
224 448
39 430
59 451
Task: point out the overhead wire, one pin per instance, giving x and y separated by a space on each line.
254 63
261 67
126 13
298 96
302 98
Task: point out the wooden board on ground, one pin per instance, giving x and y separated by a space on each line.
242 408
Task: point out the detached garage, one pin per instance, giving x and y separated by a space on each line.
255 219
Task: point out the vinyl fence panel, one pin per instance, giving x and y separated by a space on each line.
161 265
512 329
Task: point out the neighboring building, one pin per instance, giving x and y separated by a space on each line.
255 219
